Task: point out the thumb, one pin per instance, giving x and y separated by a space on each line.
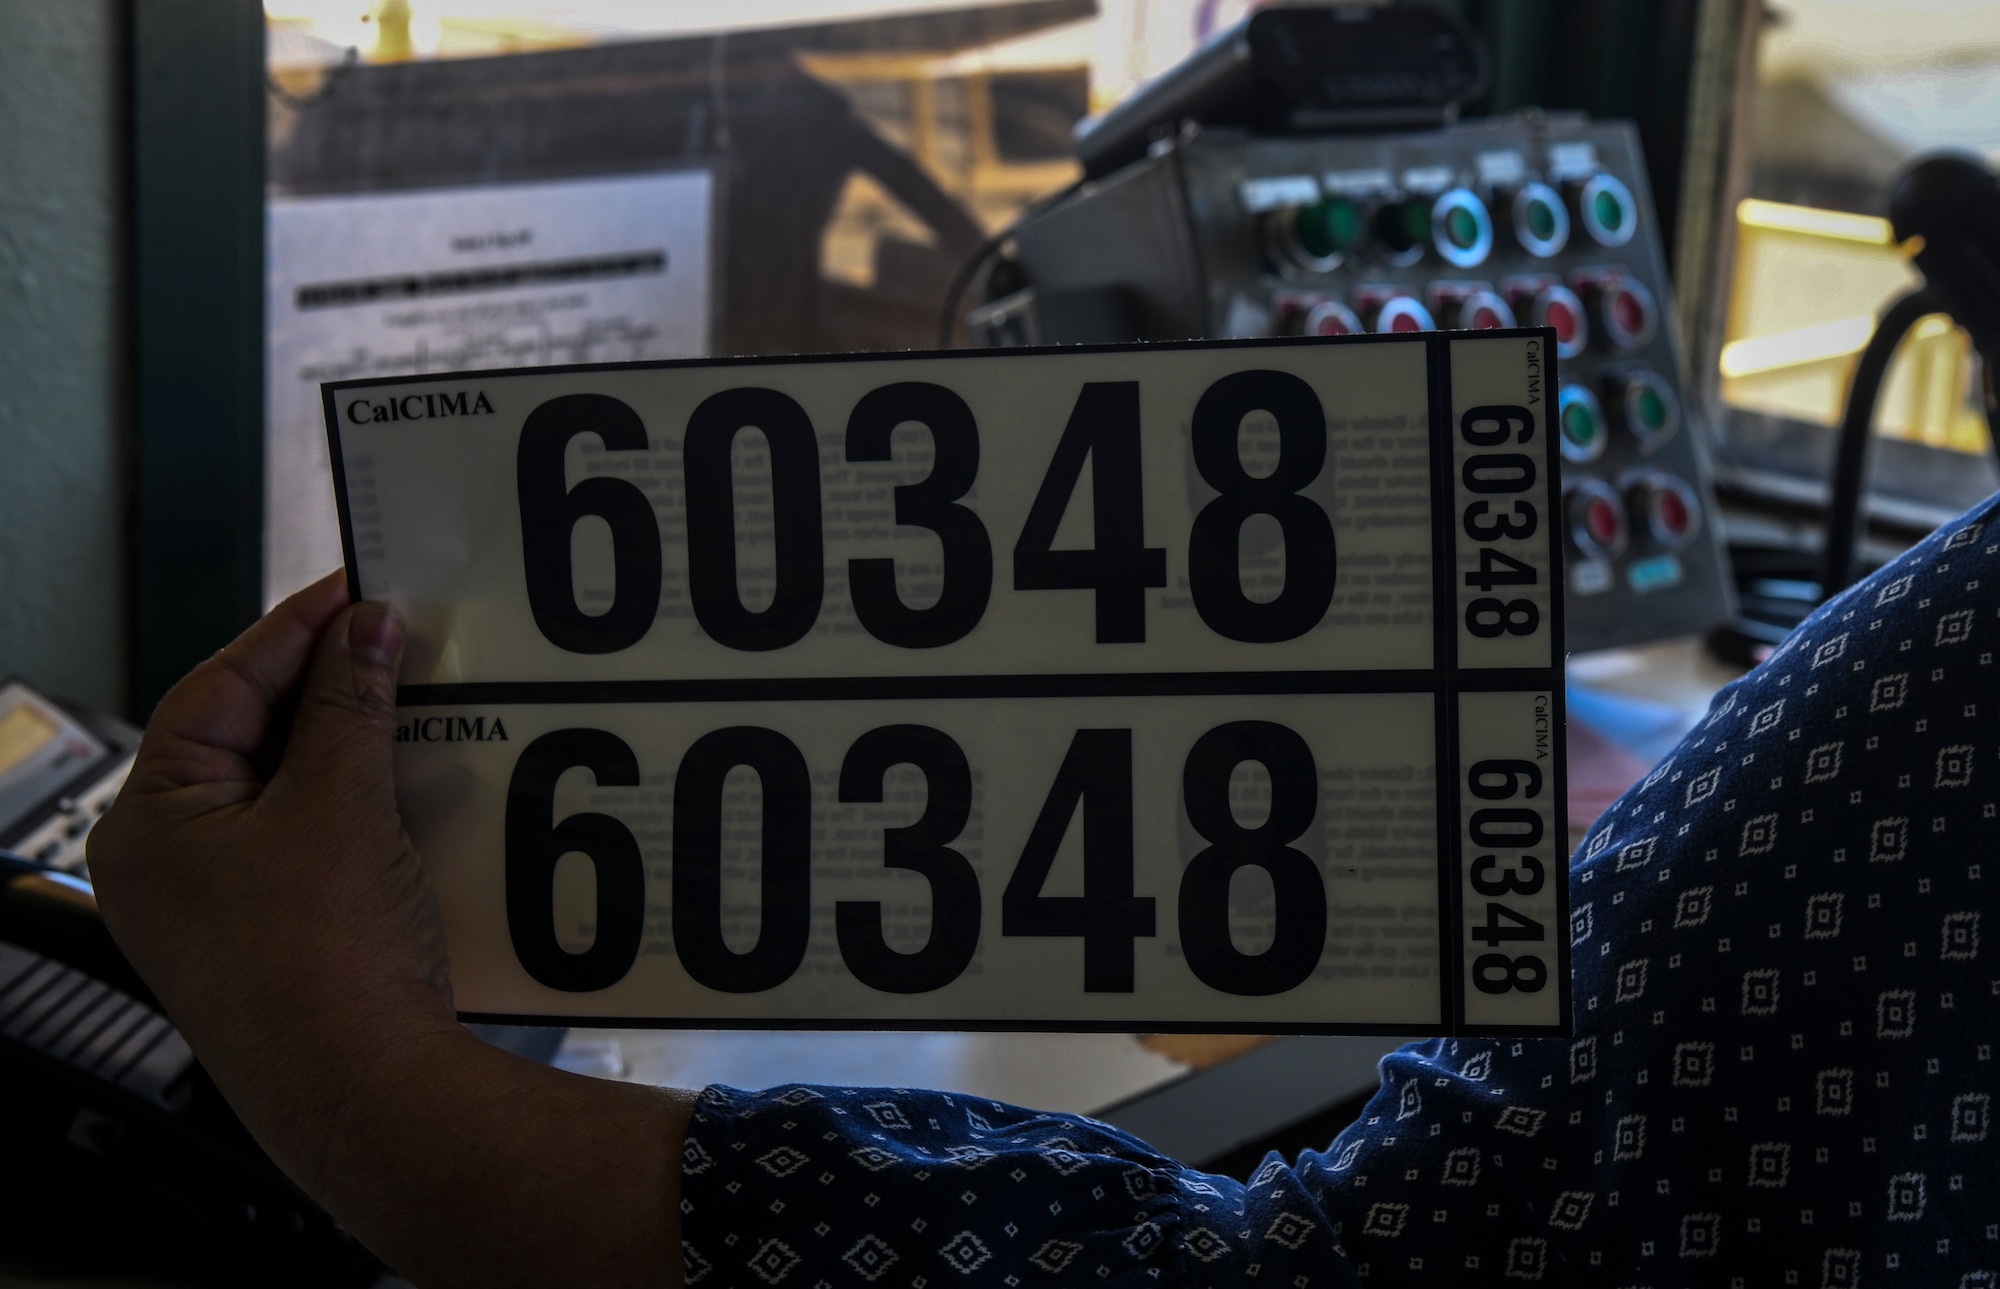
346 723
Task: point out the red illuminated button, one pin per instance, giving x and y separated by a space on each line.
1402 313
1625 312
1601 519
1673 514
1557 307
1628 310
1596 514
1331 318
1668 505
1484 311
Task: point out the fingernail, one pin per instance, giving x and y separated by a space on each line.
375 632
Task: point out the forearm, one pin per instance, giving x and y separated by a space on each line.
460 1164
284 920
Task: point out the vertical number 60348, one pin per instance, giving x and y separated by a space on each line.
1498 475
1496 830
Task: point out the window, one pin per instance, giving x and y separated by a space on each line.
456 184
1848 93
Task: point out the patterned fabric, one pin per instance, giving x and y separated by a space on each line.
1782 1073
850 1186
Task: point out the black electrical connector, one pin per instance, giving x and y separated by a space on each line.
1946 210
1301 69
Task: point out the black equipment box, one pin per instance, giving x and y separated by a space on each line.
1540 220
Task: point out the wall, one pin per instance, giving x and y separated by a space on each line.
62 348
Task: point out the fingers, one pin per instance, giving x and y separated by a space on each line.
228 701
210 724
346 721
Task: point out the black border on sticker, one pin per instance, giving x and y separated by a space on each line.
1444 664
918 355
1121 684
342 510
1044 1025
1552 466
1516 683
1558 663
1559 720
331 390
1518 680
1552 456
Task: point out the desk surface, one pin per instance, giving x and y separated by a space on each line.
1678 673
1079 1073
1192 1097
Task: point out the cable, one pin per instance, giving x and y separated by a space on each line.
1857 423
1990 392
977 257
974 261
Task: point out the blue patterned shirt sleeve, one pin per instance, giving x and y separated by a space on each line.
862 1186
1782 1071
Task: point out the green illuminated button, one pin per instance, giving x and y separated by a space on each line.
1605 208
1403 227
1541 220
1580 423
1581 420
1648 408
1610 212
1327 228
1651 409
1461 227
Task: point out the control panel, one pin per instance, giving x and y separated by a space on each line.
1532 221
60 769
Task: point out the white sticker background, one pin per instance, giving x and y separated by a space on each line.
1505 372
1486 722
1373 840
444 543
434 499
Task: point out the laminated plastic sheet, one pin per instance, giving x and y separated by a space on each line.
1206 686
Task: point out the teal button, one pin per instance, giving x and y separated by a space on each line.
1655 573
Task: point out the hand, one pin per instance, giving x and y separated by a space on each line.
279 916
257 874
